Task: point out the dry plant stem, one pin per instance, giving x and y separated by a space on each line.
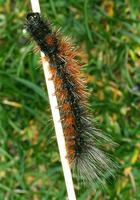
56 119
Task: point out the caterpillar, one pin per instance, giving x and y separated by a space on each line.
86 150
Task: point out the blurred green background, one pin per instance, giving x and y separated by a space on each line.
109 33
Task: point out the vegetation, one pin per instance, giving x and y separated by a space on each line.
109 32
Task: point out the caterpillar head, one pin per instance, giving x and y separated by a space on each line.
41 32
32 21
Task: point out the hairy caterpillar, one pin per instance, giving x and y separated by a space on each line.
84 142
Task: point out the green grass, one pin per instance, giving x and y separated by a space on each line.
109 33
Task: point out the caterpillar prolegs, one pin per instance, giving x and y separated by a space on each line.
84 142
